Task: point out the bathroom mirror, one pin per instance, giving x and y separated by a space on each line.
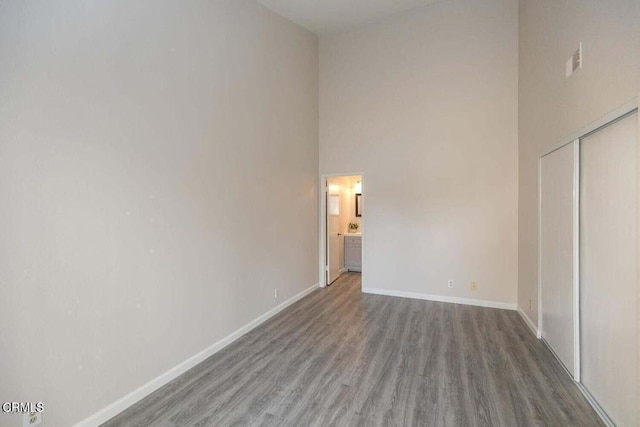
358 204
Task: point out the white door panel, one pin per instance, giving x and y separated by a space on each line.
333 237
557 252
608 269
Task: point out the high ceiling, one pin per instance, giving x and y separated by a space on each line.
326 16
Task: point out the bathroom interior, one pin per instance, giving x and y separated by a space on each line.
344 226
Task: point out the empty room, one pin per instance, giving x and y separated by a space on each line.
319 213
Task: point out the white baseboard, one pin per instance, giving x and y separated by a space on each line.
441 298
135 396
529 323
343 270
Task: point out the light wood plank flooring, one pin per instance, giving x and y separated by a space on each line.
340 357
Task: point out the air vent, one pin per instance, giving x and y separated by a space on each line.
574 62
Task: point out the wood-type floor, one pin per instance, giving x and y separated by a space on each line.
340 357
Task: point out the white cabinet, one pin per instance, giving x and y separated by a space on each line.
353 253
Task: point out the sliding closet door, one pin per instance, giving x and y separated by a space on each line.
556 252
608 269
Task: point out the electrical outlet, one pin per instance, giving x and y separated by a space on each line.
275 293
474 286
31 419
450 283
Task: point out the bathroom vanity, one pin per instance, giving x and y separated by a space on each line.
353 251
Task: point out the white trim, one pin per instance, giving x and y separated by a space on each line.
576 260
596 406
138 394
322 226
539 247
529 322
343 270
592 401
605 120
441 298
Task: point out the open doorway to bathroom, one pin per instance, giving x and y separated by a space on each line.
341 227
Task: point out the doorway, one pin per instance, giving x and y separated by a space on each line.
341 230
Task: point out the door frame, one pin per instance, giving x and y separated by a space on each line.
322 219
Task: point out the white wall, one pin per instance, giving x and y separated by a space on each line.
158 178
353 180
552 108
425 105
